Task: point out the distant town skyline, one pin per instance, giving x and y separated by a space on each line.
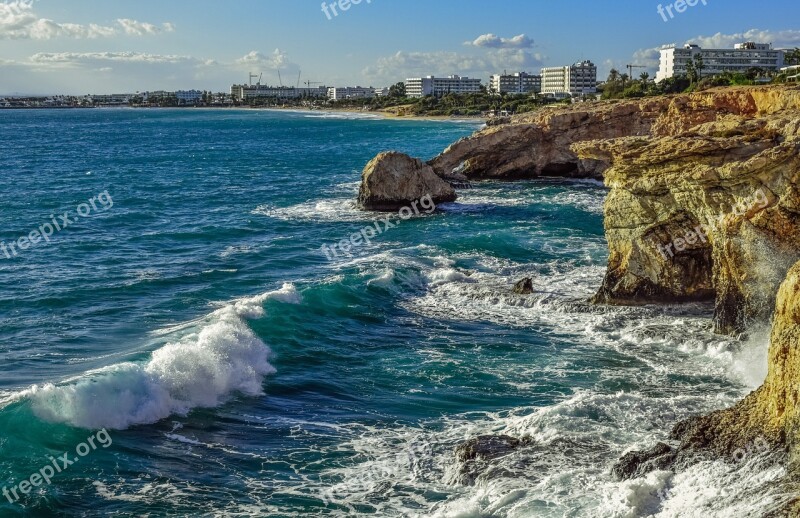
91 46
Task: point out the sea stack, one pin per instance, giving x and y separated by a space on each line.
393 180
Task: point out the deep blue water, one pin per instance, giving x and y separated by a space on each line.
191 313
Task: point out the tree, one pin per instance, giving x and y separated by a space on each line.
397 90
644 77
792 57
699 65
691 72
613 76
624 78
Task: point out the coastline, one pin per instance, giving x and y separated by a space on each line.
380 114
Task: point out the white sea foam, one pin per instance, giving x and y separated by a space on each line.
567 472
215 358
344 209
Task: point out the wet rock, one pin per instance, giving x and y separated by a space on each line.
524 287
638 463
476 454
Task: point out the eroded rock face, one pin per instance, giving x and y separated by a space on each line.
539 143
713 213
392 180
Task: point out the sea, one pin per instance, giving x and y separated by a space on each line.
175 341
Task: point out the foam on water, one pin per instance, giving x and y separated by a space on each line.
213 359
674 361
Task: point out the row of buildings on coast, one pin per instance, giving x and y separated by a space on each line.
578 79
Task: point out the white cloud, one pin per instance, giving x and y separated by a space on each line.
136 28
409 64
79 58
18 21
277 60
495 42
780 39
647 57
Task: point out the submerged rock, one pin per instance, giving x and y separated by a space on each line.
524 287
392 180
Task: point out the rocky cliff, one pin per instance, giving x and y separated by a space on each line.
540 143
704 204
704 201
705 208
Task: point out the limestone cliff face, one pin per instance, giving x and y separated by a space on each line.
539 143
709 212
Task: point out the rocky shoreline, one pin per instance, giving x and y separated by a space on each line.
704 204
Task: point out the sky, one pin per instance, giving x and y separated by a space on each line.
81 47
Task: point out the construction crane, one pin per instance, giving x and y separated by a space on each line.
252 76
298 78
630 70
279 79
309 83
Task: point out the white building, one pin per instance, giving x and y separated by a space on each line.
794 70
430 85
109 99
189 96
577 79
350 92
518 83
247 92
742 57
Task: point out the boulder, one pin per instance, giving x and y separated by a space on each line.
524 287
394 180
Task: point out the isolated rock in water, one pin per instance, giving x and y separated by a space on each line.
488 447
638 463
524 287
475 455
394 180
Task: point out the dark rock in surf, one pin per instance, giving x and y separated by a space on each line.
638 463
524 287
475 454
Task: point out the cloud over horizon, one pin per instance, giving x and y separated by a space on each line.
18 21
780 39
402 65
493 41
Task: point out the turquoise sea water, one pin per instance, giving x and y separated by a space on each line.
191 313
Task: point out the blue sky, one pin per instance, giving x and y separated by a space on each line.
94 46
